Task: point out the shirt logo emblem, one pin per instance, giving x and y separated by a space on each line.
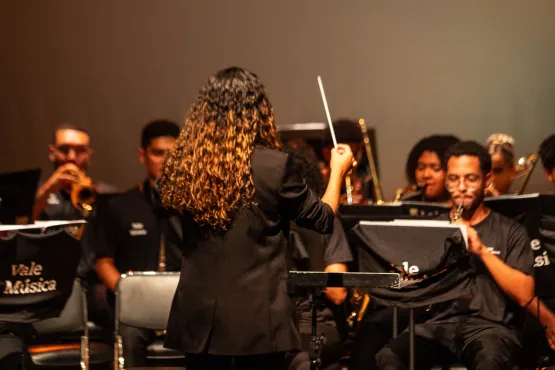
493 250
52 199
137 229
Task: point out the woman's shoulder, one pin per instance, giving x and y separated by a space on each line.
268 157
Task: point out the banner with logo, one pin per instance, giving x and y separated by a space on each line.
37 271
430 256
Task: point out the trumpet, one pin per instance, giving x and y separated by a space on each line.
83 194
524 168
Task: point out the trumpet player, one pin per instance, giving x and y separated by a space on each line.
70 154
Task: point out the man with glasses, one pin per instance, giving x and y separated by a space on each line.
70 154
479 330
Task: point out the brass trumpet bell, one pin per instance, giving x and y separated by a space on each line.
83 194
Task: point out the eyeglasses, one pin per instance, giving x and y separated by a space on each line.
79 150
471 181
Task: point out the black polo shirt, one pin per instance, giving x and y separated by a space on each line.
131 233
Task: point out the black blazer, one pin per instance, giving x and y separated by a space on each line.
232 296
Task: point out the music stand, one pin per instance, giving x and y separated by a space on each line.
316 280
17 196
430 256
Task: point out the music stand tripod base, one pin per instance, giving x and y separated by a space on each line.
315 280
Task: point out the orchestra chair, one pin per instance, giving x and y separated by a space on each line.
58 353
143 300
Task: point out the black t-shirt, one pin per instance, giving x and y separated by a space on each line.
59 207
509 241
305 258
131 233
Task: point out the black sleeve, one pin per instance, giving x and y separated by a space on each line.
300 204
106 241
519 252
337 248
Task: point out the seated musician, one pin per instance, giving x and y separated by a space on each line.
480 330
423 167
71 154
538 351
349 132
547 155
501 150
131 234
424 172
336 255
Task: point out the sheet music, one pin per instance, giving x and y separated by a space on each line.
423 224
41 225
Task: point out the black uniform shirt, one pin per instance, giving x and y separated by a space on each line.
131 233
509 241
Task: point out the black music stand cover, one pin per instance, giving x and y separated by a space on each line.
17 196
537 213
37 272
439 252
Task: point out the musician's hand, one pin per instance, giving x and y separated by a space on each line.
342 159
475 245
63 176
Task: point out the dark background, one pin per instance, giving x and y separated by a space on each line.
410 68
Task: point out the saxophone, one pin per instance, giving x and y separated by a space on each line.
359 301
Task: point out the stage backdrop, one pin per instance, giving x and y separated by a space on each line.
410 68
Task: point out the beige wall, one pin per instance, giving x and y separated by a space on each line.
410 68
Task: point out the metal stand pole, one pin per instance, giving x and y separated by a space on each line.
395 321
411 339
316 342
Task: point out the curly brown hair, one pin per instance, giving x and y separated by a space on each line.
207 172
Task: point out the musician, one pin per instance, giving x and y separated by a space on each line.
501 150
349 132
71 154
131 234
547 155
424 172
479 330
534 342
309 248
236 193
